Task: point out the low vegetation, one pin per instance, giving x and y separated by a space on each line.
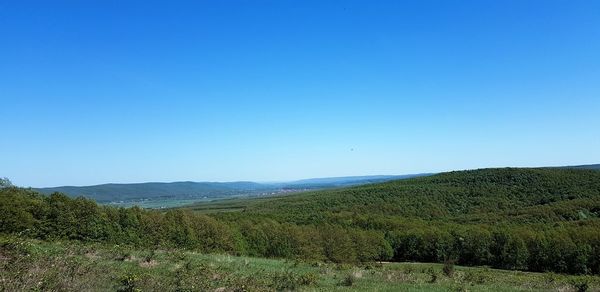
34 265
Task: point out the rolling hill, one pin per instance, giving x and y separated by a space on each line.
187 192
157 194
122 192
534 194
586 166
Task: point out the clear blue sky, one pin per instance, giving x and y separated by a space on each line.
131 91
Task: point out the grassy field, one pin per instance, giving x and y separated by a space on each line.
58 266
161 203
228 205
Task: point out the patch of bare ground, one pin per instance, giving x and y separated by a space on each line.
148 264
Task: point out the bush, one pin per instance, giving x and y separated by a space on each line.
580 285
349 280
475 277
128 283
289 280
433 275
448 268
308 279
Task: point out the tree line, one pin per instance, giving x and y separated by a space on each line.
566 247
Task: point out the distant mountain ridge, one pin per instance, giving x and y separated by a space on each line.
188 190
347 180
130 191
585 166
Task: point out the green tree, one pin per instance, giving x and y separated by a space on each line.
337 244
508 251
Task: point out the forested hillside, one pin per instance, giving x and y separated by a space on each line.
507 195
160 195
525 219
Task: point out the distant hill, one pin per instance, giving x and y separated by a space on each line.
587 166
152 191
122 192
483 195
349 180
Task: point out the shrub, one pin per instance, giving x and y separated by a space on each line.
475 277
448 268
289 280
580 285
128 283
349 280
308 279
432 274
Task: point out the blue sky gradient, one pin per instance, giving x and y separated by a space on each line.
131 91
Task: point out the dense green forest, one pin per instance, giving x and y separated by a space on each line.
522 219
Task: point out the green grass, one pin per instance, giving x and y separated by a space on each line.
231 205
160 203
59 266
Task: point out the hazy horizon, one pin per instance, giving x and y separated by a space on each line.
118 92
295 179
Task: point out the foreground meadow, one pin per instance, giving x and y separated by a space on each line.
32 265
